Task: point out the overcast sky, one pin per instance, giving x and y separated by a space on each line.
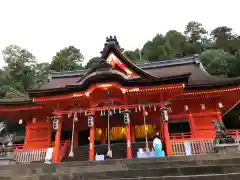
46 26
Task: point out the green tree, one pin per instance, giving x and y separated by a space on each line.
222 33
92 62
67 59
20 69
177 42
217 61
194 31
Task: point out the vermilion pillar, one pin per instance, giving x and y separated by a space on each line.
103 139
57 147
133 133
192 124
166 135
167 139
128 138
91 138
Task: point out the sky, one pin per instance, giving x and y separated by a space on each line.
44 27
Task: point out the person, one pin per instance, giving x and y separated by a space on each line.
157 145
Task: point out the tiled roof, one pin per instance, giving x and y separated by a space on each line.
157 69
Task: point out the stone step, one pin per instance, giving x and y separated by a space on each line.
164 159
227 176
186 173
96 166
180 171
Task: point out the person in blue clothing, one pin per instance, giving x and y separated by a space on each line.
157 145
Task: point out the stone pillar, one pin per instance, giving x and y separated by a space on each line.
128 133
91 125
57 147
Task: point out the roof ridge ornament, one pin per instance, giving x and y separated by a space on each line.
111 41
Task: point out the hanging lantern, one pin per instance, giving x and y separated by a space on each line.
55 123
114 111
186 108
154 108
136 110
120 111
34 120
220 105
90 121
103 112
85 113
203 107
126 117
20 121
164 115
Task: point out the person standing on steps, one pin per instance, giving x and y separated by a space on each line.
157 145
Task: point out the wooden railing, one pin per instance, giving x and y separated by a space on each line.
200 146
23 156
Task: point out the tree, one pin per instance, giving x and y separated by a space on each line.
217 61
20 70
194 31
93 62
67 59
222 33
157 49
41 73
177 42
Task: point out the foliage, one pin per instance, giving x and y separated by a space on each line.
93 62
67 59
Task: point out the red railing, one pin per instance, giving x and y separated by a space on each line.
187 135
234 133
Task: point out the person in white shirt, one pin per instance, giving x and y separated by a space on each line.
157 145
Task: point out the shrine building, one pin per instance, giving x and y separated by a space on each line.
74 111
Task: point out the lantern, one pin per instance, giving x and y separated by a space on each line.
90 121
20 121
34 120
164 115
220 105
203 106
55 123
126 118
186 108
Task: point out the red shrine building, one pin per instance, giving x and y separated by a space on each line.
123 105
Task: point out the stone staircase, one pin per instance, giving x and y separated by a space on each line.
202 167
